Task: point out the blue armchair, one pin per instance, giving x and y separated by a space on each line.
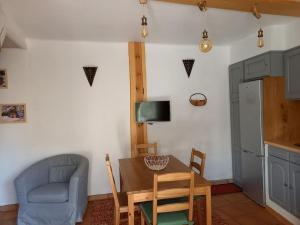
53 191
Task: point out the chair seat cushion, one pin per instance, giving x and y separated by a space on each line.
170 218
50 193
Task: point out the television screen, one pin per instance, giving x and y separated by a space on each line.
152 111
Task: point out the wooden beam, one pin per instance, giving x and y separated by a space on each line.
274 7
138 92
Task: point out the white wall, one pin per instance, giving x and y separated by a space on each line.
65 115
292 34
206 128
247 47
281 37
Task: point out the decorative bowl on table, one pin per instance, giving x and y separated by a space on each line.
156 162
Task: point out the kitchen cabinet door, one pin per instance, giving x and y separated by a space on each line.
236 76
237 166
279 181
235 123
267 64
295 189
292 73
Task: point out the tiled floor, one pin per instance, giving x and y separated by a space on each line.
236 209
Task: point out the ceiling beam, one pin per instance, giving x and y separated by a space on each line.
274 7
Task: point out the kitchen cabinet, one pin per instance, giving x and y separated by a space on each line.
237 166
279 181
235 123
236 76
295 189
292 73
284 179
267 64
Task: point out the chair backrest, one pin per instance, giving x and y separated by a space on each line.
112 181
143 149
175 191
193 164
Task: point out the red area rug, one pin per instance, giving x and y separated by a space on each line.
103 214
103 211
222 189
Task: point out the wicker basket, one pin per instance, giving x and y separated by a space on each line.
198 102
155 162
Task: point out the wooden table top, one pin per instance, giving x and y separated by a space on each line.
137 177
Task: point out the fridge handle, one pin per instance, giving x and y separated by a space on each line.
245 151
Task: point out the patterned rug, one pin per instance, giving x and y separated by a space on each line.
102 212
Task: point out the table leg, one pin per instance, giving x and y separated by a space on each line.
130 210
208 206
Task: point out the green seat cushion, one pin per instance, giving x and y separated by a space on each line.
170 218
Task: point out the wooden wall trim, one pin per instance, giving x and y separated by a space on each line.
9 208
138 91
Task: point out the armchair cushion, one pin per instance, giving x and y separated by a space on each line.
50 193
61 174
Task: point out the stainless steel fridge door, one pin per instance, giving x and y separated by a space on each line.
253 179
251 116
251 102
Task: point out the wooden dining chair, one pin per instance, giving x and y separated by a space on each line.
165 209
198 166
145 149
120 199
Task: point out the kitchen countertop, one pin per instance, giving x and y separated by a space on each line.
285 145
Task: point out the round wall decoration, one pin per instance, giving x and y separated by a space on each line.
198 99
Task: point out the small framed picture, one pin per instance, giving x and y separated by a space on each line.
13 113
3 79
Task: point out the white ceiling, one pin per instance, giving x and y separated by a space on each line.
119 20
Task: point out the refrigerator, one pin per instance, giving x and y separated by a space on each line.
252 141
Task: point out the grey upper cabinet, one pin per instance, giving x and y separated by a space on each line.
279 181
295 189
292 73
236 76
267 64
235 123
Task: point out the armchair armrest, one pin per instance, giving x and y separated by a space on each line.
32 177
78 184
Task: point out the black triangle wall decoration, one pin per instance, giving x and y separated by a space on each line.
188 65
90 72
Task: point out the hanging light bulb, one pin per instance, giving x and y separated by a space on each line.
144 31
260 41
205 44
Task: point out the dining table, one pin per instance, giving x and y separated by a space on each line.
136 179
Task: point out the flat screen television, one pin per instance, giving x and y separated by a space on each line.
152 111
